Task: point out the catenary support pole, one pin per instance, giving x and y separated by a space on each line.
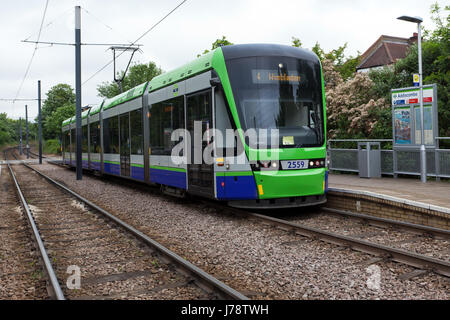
20 130
18 136
78 89
40 122
26 126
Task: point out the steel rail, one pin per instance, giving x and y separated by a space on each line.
398 255
47 264
409 258
223 290
377 221
36 155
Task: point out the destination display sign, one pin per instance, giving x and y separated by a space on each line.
270 76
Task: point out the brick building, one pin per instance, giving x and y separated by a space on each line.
384 52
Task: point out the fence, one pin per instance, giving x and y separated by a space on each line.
343 156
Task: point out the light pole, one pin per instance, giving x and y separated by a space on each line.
423 153
78 90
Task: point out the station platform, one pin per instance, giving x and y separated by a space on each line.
433 194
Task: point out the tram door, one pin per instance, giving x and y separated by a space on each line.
199 117
124 144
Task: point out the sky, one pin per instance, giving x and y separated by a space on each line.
188 31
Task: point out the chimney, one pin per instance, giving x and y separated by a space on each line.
413 39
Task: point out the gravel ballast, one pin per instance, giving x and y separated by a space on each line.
260 261
418 243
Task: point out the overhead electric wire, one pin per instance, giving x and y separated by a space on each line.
73 44
61 15
104 24
7 100
34 51
143 35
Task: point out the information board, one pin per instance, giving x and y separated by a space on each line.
406 120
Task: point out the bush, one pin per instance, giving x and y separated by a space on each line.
51 146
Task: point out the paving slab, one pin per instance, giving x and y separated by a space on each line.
435 193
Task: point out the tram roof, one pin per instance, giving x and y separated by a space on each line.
201 64
125 96
96 109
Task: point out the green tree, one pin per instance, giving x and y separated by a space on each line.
436 69
296 42
57 96
8 129
54 121
5 134
138 74
318 51
216 44
346 66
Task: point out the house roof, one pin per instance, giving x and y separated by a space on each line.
385 51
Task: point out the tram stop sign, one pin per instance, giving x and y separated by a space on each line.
416 80
406 124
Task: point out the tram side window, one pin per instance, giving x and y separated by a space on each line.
227 146
66 141
137 142
73 138
106 136
94 131
111 135
64 135
84 139
165 117
114 134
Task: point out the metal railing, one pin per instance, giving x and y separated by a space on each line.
343 156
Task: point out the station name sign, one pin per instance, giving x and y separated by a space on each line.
411 96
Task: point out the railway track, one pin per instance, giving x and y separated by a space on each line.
36 155
12 152
115 260
419 239
389 223
21 275
424 263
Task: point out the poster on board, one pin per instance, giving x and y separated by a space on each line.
428 125
402 126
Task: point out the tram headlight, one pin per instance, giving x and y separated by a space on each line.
316 163
265 164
